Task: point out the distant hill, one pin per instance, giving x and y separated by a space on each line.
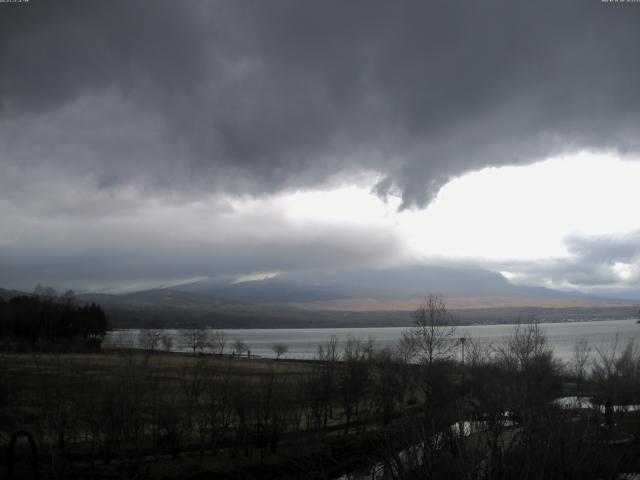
164 308
8 294
347 299
175 309
398 283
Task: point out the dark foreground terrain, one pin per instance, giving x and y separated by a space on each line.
354 412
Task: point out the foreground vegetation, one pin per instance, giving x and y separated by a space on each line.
431 407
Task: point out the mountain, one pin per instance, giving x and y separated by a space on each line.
350 298
398 283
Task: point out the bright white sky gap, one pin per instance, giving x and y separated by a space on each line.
528 212
496 215
506 213
517 220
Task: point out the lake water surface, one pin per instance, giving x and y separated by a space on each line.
303 342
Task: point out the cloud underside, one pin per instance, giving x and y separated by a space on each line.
160 244
180 101
258 98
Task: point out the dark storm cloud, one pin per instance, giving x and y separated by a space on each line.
109 106
253 97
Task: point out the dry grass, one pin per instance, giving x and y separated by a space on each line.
454 303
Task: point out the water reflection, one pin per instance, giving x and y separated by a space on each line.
303 342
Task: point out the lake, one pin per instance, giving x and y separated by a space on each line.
303 342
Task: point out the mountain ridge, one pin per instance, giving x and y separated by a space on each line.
347 298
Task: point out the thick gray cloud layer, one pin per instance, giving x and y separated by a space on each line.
205 97
256 96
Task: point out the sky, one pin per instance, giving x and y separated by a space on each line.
150 143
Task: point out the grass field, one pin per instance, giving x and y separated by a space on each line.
172 415
138 414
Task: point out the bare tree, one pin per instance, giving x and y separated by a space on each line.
353 377
218 406
525 347
432 338
531 374
403 352
149 340
218 342
195 338
60 407
279 349
324 385
579 361
167 342
193 383
328 352
387 382
616 372
477 353
239 346
269 410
